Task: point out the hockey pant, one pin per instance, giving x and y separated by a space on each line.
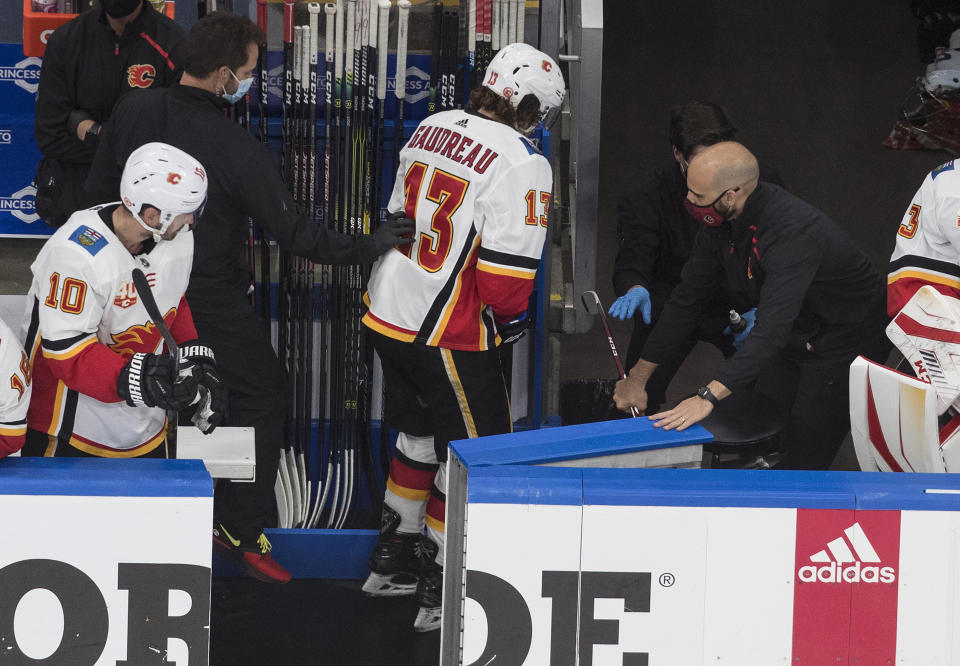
435 396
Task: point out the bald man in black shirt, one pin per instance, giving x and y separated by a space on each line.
818 298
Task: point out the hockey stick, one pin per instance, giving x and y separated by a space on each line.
283 488
264 126
512 22
142 286
495 27
307 310
591 303
400 78
435 56
323 481
521 20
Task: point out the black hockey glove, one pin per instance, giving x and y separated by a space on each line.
397 230
147 380
211 410
513 330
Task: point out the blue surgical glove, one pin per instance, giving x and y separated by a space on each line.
750 316
626 305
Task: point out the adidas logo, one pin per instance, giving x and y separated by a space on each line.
840 565
462 123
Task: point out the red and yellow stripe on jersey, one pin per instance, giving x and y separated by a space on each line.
927 249
478 192
16 386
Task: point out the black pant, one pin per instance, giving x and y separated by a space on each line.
446 393
813 388
258 398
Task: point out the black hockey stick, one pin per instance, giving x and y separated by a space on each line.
591 302
150 304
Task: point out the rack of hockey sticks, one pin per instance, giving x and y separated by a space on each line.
335 154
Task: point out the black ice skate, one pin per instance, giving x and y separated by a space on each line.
393 563
429 592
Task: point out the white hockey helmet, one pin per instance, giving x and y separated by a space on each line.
519 70
165 178
944 73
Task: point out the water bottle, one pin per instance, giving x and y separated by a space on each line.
737 323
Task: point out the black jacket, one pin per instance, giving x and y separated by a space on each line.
243 183
813 289
654 233
87 68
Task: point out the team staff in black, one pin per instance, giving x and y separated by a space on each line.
243 182
90 62
819 304
654 239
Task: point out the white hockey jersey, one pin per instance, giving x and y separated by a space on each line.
479 192
15 387
927 249
86 321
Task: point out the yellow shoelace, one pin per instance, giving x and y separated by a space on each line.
264 543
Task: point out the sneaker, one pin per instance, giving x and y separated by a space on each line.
429 593
255 558
393 563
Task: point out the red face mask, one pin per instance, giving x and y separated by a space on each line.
706 215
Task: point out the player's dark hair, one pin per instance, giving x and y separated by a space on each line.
219 39
525 115
699 124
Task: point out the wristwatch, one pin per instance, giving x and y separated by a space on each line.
707 395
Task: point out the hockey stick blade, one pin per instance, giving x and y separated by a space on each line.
591 303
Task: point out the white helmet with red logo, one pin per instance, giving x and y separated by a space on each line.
165 178
518 71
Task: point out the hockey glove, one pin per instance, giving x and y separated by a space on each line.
625 306
397 230
514 329
211 409
147 380
750 316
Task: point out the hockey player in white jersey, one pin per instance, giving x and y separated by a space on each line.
102 381
479 191
15 387
927 250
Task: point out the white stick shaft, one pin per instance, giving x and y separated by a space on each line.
383 9
402 25
338 42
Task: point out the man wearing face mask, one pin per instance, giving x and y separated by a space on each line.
654 238
818 300
221 52
90 62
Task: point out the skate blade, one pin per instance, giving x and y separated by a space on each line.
428 619
378 585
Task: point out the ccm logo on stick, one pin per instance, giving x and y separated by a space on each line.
573 629
86 623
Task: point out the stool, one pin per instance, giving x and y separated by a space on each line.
746 429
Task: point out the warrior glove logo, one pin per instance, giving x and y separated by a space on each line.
141 76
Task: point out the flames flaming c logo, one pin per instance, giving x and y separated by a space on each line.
141 76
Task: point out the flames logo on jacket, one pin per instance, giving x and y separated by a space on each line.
141 76
140 337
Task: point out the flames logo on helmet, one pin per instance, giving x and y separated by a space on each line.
546 65
174 178
141 76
